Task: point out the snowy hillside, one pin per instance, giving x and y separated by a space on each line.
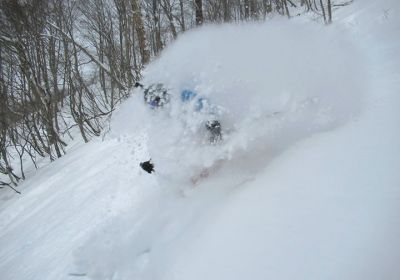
304 185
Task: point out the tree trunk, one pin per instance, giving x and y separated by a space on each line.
286 8
168 13
226 10
182 15
329 12
246 9
199 12
323 10
157 32
140 31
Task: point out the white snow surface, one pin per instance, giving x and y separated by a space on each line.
305 184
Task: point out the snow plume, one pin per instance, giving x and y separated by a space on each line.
269 85
273 83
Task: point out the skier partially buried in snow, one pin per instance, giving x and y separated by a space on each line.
156 96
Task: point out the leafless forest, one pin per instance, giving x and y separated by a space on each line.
68 63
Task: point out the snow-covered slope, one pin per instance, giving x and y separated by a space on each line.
311 189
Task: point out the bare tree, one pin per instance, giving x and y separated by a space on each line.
323 10
329 4
226 10
168 11
140 31
199 11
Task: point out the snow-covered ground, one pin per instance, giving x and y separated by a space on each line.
305 184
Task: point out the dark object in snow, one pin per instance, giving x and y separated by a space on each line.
155 102
147 166
137 84
214 127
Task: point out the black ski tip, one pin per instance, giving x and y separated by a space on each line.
147 166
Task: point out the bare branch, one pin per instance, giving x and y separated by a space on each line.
95 60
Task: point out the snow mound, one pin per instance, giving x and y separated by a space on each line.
274 83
